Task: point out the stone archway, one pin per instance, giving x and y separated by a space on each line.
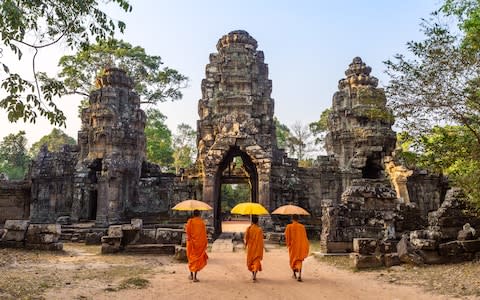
250 176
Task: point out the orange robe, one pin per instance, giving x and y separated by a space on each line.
254 243
196 244
297 243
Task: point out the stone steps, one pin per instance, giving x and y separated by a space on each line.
224 243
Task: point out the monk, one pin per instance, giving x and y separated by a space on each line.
298 246
254 244
196 245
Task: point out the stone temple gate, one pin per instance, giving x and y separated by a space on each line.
106 178
236 118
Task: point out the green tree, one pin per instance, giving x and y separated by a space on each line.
282 133
184 148
319 128
14 159
152 82
37 25
54 141
435 94
159 139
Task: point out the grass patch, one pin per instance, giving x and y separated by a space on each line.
339 261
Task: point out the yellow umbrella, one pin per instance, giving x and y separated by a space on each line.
249 208
192 205
290 210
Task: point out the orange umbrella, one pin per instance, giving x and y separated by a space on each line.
192 204
290 209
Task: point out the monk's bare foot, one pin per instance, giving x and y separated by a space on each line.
190 277
294 276
299 279
195 280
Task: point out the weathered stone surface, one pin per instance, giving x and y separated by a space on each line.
360 261
46 247
388 246
93 238
453 248
169 236
148 236
467 233
407 253
391 259
181 253
12 244
115 231
137 224
13 235
432 257
111 244
151 249
365 246
14 199
17 225
472 246
64 220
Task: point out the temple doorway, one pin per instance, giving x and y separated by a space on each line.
236 182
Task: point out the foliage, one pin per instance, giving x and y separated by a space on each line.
282 133
54 141
159 139
232 194
319 128
14 159
39 24
184 148
435 94
451 150
153 83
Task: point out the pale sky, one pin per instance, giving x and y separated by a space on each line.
307 44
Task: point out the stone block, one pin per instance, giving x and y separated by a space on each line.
48 238
111 240
115 231
64 220
46 247
130 236
181 253
34 229
12 244
360 261
426 234
93 238
137 223
387 246
391 259
470 246
107 248
432 257
169 236
453 248
17 225
13 235
147 236
365 246
424 244
151 249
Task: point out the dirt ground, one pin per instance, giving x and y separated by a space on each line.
82 273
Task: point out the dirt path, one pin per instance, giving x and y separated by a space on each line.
226 277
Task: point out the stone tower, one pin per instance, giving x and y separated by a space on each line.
236 117
359 125
112 150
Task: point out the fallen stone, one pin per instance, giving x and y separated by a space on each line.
453 248
137 223
391 259
424 244
181 253
47 247
13 235
17 225
365 246
115 231
470 246
93 238
360 261
432 257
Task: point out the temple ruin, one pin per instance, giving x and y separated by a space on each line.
358 190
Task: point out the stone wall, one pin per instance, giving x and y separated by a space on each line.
14 199
52 184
